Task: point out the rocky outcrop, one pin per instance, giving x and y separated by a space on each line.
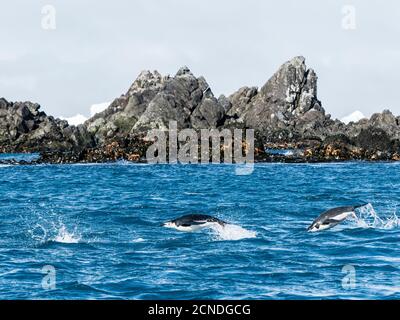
153 100
286 107
285 113
24 128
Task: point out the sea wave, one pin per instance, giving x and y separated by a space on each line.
232 232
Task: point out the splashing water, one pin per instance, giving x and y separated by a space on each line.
53 232
64 236
367 217
46 225
38 233
232 232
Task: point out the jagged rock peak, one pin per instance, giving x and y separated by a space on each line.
295 86
297 61
290 76
146 79
183 71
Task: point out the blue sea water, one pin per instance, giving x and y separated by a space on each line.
99 229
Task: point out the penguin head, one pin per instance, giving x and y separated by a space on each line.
314 227
169 224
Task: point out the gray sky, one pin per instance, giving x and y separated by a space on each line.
99 47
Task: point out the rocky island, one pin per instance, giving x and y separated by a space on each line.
285 114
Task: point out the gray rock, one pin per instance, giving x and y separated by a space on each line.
374 138
24 128
288 101
285 110
224 103
153 101
209 114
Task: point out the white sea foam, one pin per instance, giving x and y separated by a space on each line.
232 232
64 236
53 232
367 217
158 198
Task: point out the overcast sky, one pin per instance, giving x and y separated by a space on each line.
99 47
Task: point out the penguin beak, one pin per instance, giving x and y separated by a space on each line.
168 224
312 228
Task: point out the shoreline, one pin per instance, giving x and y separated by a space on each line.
271 160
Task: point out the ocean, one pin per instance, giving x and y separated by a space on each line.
95 232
